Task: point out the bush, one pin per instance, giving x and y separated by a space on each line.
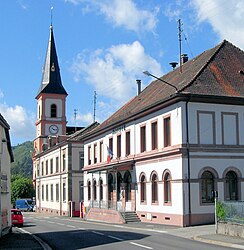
220 211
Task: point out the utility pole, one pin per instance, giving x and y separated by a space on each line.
180 31
94 110
75 115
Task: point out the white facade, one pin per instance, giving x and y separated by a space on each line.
6 158
59 178
216 143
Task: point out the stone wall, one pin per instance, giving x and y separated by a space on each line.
105 215
232 229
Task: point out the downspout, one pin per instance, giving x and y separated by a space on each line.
60 183
188 162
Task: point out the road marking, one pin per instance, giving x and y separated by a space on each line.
71 226
61 224
139 245
157 231
80 228
115 238
95 232
50 222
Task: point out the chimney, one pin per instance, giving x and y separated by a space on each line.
138 82
184 58
173 65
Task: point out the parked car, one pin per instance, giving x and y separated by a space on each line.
24 205
17 217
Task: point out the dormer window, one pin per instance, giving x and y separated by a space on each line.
53 110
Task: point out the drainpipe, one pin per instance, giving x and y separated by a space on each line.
188 161
60 181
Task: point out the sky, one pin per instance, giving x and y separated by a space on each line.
102 46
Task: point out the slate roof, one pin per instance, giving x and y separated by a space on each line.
51 79
217 72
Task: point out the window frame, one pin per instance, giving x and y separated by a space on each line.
143 139
167 184
53 110
127 143
143 189
154 188
229 187
167 131
205 183
119 146
154 135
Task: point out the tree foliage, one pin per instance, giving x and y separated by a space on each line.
22 187
22 159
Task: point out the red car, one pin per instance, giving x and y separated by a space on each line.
17 217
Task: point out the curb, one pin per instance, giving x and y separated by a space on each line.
43 244
216 242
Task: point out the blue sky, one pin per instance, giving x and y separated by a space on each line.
102 46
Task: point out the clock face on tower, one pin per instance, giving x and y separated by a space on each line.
53 129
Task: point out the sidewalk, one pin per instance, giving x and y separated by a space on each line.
19 239
205 233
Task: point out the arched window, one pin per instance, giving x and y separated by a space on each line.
207 179
53 110
154 181
143 188
89 190
94 190
167 188
101 189
231 186
127 181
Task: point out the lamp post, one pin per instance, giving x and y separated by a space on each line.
149 74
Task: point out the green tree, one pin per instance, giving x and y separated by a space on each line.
22 159
22 187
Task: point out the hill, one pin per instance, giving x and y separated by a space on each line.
22 159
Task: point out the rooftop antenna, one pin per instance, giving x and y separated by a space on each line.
75 115
94 111
180 31
51 16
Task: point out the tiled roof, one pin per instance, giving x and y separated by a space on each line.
51 79
215 72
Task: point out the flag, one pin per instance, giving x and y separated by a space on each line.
109 154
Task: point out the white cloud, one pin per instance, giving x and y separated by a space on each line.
22 125
23 5
84 119
113 72
1 94
225 16
123 13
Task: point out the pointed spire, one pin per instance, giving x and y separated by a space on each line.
51 79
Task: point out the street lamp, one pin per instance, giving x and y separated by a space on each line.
149 74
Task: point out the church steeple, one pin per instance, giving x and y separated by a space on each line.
51 79
51 100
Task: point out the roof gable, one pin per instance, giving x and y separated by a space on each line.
214 72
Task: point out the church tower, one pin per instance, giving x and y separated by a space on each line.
51 100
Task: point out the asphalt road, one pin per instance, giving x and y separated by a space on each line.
68 233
